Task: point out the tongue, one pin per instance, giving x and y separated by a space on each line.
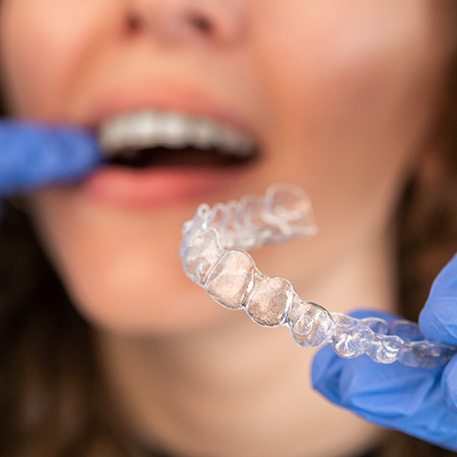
188 157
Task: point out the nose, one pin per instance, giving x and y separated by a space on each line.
177 21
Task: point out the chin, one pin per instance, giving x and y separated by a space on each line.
146 309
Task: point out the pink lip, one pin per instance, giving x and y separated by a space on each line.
155 188
162 186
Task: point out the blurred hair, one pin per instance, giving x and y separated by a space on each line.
53 400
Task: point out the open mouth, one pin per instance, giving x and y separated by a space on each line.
151 138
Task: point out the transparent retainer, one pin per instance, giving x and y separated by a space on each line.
214 257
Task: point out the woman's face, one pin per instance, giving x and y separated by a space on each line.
339 94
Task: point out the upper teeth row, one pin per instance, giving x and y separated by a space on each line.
147 129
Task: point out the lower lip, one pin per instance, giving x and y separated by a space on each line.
155 187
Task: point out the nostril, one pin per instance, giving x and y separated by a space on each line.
133 23
201 23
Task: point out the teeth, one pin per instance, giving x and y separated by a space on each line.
205 134
124 133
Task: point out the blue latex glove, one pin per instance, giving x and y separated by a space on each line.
417 401
33 156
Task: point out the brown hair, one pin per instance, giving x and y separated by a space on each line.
52 399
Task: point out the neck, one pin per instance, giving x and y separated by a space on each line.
242 390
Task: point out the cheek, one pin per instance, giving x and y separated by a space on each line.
44 54
354 97
361 74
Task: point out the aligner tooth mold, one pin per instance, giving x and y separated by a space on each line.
231 279
269 301
213 256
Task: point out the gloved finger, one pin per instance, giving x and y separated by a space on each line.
449 377
327 367
33 155
438 319
394 396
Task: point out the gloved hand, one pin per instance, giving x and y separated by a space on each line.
417 401
33 156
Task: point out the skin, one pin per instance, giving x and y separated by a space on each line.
343 96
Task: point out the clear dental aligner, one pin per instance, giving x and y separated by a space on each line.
214 257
